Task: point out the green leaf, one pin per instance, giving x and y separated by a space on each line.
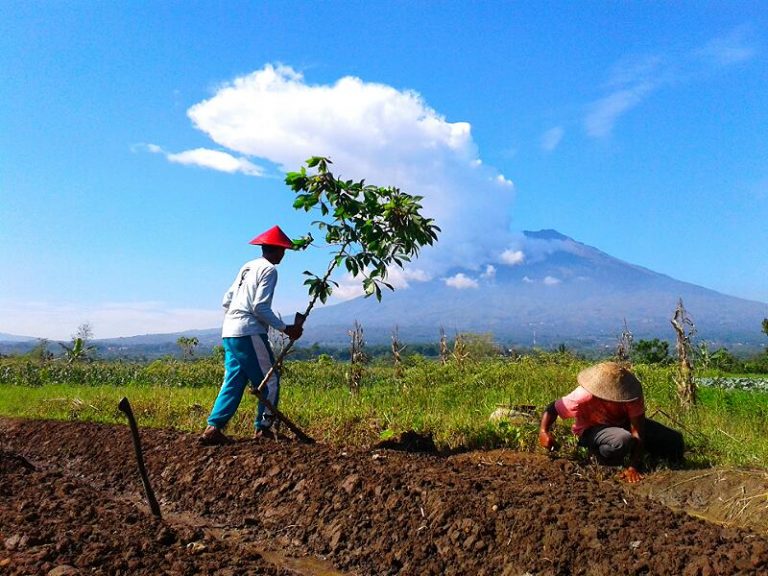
302 243
352 266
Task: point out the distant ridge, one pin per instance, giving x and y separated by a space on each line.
557 290
5 337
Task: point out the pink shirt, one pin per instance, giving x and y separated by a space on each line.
589 410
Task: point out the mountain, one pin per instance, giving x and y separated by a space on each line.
146 346
553 290
4 337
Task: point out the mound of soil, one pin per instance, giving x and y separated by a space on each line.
71 499
410 442
55 523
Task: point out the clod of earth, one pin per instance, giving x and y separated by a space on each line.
69 504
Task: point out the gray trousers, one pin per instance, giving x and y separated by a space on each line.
611 444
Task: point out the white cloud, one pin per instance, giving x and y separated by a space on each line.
636 70
536 249
490 272
461 282
512 257
551 281
631 81
216 160
211 159
527 280
109 320
605 112
348 288
272 113
402 277
504 181
732 48
635 79
351 287
551 138
373 131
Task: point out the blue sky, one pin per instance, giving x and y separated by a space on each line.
143 144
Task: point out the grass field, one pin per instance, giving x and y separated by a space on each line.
452 402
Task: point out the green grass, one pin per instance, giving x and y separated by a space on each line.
453 403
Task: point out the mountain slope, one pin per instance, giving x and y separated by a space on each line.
553 290
5 337
557 290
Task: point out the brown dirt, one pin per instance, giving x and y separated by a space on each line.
71 502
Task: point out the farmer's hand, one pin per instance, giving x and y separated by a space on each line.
631 475
294 331
546 440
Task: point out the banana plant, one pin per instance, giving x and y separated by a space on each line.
78 352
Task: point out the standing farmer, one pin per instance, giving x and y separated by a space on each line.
247 352
609 412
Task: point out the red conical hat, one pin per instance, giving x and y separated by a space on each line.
273 237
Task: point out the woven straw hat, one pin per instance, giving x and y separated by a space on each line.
610 381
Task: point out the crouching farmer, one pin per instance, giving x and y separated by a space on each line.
610 421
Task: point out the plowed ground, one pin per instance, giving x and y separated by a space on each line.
71 502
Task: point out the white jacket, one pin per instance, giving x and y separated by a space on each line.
248 302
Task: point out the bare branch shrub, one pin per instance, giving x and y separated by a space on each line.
444 352
397 349
460 353
624 347
357 358
685 330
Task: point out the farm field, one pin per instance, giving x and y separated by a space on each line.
409 476
71 497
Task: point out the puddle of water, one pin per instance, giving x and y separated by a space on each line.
307 565
304 565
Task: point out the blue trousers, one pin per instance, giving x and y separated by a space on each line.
246 358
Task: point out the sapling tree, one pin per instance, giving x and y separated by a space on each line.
187 345
84 332
370 229
80 350
41 351
651 351
765 328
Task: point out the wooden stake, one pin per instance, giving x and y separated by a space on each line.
125 407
